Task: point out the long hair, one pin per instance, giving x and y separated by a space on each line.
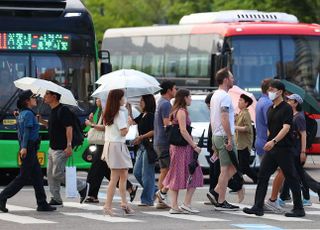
179 101
112 105
150 103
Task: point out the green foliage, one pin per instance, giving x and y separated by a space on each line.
127 13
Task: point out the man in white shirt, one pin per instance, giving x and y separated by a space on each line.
222 124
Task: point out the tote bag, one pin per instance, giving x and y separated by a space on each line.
96 137
71 179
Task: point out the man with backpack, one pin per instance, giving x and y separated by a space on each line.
63 138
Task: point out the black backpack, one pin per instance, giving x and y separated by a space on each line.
311 130
77 131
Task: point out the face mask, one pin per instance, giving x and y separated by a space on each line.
125 101
272 95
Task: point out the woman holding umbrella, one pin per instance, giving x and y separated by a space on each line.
180 158
115 151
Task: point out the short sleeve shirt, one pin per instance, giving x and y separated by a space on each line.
59 119
220 99
145 123
112 132
277 117
162 111
299 125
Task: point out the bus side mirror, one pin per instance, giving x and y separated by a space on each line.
105 66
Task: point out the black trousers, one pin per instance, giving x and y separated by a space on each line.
301 173
97 171
284 158
312 183
244 164
235 183
29 169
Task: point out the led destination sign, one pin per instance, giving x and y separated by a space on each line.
34 41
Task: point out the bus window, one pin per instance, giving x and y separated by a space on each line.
115 59
153 59
12 67
70 72
301 60
132 52
199 54
115 47
176 56
255 58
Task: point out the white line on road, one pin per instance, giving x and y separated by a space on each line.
94 216
82 206
185 216
269 216
23 219
18 208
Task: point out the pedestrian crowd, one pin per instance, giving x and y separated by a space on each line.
280 122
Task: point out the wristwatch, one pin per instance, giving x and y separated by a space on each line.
274 141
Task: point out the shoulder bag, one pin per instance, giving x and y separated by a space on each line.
96 137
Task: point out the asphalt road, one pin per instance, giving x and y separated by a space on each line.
22 213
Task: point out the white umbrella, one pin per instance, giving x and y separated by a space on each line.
40 86
134 82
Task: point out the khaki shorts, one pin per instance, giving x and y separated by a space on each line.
219 144
163 156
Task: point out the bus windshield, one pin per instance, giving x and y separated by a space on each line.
73 72
294 58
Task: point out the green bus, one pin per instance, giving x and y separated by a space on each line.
47 39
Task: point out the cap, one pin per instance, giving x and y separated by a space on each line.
246 98
295 97
26 94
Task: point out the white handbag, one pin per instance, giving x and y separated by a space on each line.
96 137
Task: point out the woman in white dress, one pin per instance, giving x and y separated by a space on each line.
115 151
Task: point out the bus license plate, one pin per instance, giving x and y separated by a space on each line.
40 156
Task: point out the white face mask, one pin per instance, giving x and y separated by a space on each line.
272 95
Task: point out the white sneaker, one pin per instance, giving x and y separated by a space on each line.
177 211
273 207
163 198
188 209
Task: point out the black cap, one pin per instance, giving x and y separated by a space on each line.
24 95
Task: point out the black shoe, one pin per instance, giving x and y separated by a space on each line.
46 208
3 206
133 193
225 206
53 202
213 196
84 193
254 211
295 213
92 200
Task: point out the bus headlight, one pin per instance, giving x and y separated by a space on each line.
72 14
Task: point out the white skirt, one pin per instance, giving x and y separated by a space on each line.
117 155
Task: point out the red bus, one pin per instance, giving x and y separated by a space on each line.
255 45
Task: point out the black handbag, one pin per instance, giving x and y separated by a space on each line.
151 153
174 135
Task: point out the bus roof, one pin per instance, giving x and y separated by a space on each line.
224 29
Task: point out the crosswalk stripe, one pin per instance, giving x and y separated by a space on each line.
89 207
23 219
18 208
185 216
269 216
106 218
